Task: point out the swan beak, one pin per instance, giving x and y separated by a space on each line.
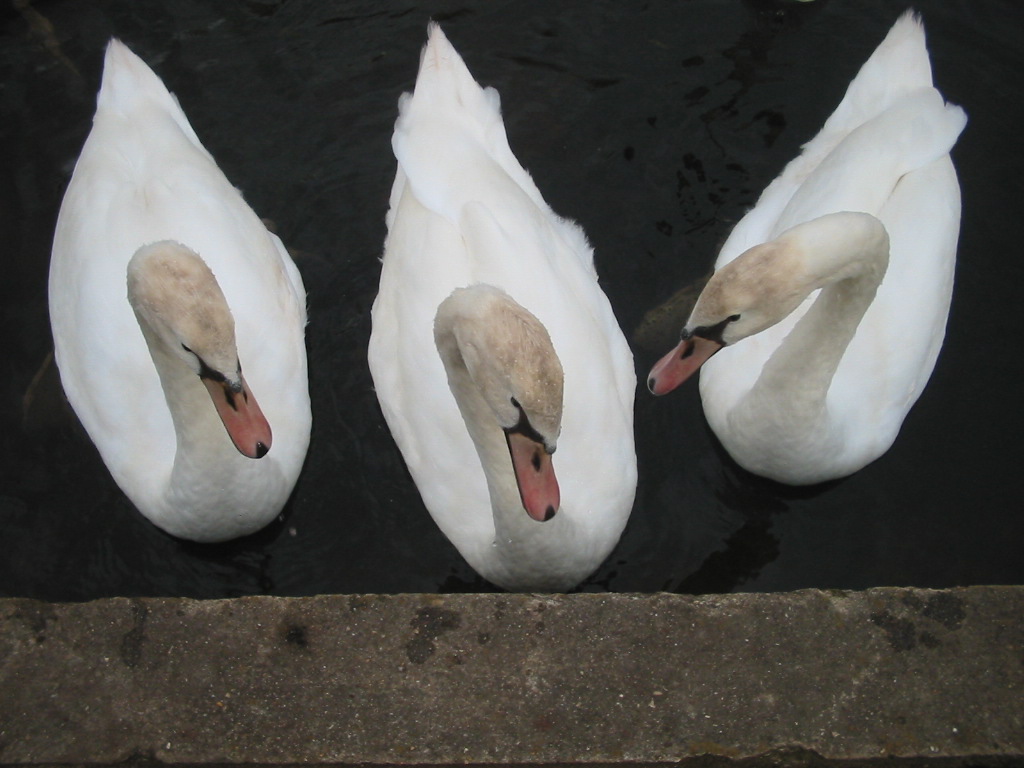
680 364
246 425
535 476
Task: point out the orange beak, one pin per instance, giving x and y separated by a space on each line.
680 364
535 476
244 421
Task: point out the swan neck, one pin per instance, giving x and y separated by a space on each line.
481 423
202 441
521 548
845 257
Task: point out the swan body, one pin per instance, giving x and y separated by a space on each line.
488 309
824 333
163 285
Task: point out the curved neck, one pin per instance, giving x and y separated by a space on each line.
481 423
845 256
522 552
209 477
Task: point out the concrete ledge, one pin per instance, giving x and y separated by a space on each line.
894 675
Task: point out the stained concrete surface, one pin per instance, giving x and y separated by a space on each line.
810 677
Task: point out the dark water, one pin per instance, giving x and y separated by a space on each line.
655 125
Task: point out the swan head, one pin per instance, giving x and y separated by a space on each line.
764 284
748 295
181 307
508 355
751 293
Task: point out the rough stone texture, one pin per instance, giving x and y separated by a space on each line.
801 678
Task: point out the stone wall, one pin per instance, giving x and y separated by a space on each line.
823 678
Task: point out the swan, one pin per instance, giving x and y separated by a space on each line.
828 305
163 284
488 310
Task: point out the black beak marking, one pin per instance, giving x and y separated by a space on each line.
229 396
231 388
712 332
525 428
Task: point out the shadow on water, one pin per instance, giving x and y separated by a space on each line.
655 126
754 502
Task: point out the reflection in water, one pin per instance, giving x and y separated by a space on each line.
660 327
749 505
747 549
752 502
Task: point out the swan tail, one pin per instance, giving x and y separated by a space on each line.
860 172
898 65
900 60
445 83
129 85
447 98
891 121
127 80
450 139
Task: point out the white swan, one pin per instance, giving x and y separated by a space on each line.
159 269
812 385
486 299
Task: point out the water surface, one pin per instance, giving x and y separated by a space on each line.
655 125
